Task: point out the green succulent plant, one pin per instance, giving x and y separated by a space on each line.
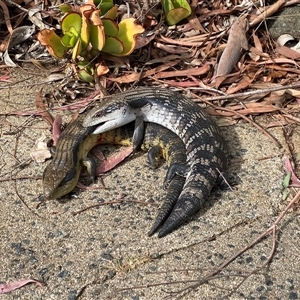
88 30
92 28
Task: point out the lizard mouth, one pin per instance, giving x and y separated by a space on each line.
98 128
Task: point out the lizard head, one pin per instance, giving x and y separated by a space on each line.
109 115
57 184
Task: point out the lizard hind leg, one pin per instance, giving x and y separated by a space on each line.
154 155
173 193
175 184
184 208
179 169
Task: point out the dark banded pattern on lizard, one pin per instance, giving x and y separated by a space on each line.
205 147
62 173
164 143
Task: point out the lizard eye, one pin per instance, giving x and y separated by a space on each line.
69 176
124 111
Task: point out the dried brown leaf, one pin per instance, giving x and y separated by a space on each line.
204 15
172 48
257 43
40 152
187 72
56 129
42 109
256 54
288 70
188 42
237 41
246 109
111 162
143 40
275 75
183 84
279 60
136 76
6 17
242 84
287 52
281 121
8 287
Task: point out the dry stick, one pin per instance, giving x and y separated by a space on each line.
25 204
255 125
272 229
17 5
290 117
20 127
291 2
112 202
268 12
20 178
186 270
174 282
267 261
244 117
248 273
256 92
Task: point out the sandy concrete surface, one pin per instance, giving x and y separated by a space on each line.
105 253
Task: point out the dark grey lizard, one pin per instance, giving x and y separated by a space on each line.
62 173
205 146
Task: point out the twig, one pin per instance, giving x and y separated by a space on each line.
25 204
8 86
244 117
268 12
19 127
177 282
112 202
21 178
272 229
250 93
17 5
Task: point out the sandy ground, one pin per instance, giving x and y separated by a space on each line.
105 253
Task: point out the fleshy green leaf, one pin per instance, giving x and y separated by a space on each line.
85 76
285 194
97 37
105 6
111 14
86 71
52 42
97 34
69 39
86 11
111 27
113 46
128 30
65 8
76 49
286 180
176 10
71 20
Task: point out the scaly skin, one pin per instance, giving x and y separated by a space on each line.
205 147
62 173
